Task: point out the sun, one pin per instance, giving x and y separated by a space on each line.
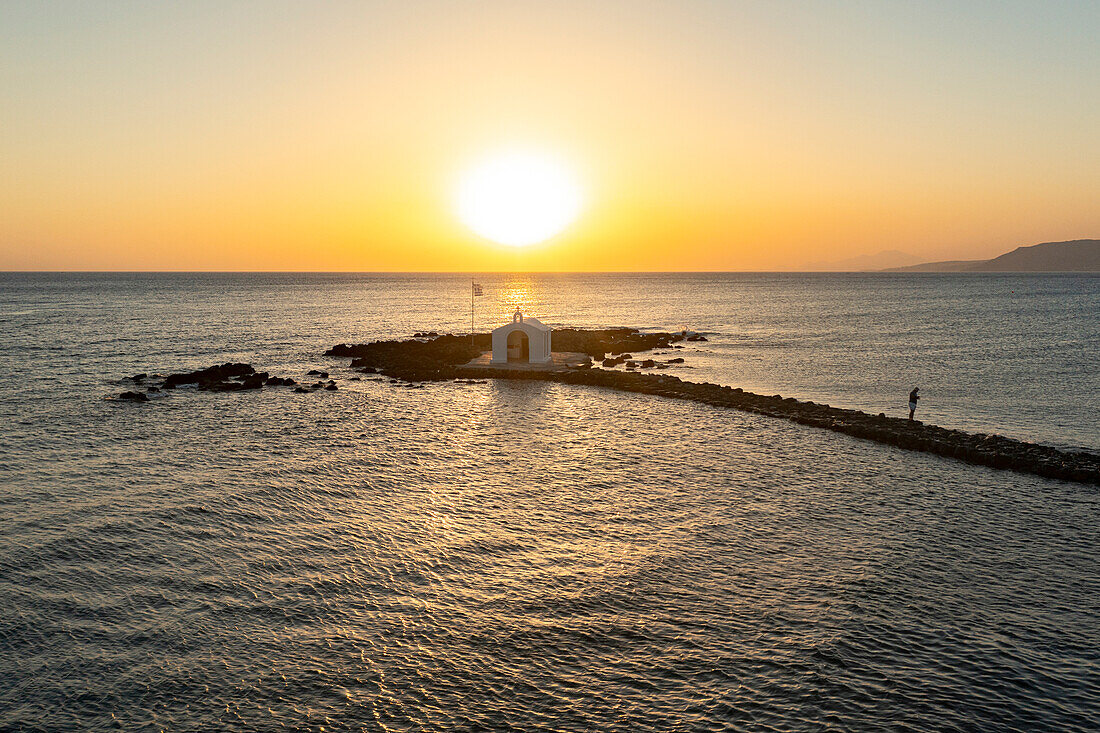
518 197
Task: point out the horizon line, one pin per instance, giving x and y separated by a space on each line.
891 271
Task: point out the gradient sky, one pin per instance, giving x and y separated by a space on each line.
708 135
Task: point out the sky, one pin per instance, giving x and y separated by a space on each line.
720 135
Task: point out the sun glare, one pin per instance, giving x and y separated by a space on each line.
518 197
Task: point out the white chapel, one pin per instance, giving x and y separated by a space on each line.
522 340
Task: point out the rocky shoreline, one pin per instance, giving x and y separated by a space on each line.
431 358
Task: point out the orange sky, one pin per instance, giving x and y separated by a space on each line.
707 135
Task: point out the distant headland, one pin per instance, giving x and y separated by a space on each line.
1078 255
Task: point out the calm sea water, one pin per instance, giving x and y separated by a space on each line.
527 556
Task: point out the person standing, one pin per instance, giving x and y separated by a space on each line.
913 397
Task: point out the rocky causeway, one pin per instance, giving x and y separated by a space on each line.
445 357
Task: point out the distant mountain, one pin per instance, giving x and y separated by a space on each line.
1079 255
886 258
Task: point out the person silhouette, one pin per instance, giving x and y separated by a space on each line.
913 397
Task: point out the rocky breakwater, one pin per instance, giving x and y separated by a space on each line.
442 358
985 450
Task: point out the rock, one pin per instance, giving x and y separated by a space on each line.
317 373
648 364
209 375
301 390
696 337
139 377
133 397
677 360
253 382
354 379
609 362
153 389
331 386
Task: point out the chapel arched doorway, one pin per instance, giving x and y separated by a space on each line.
519 346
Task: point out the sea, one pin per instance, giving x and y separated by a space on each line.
527 556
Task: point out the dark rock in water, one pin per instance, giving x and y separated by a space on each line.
677 346
677 360
139 377
279 382
627 357
152 389
133 396
331 386
301 390
648 364
253 382
209 375
609 362
696 337
317 373
354 379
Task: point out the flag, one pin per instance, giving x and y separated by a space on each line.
477 289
